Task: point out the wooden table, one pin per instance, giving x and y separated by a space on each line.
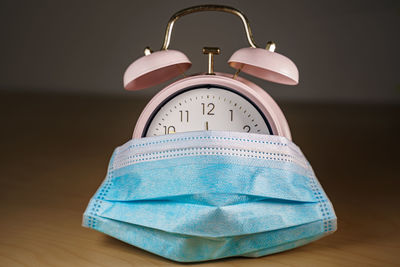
55 151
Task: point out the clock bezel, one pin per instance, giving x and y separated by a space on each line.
264 103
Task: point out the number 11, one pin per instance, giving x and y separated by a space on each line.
187 115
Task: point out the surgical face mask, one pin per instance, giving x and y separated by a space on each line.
200 196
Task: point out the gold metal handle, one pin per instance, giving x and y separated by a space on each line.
195 9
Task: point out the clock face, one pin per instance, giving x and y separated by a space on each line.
207 108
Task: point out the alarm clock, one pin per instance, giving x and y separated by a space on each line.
211 100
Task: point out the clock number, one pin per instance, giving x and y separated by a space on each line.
169 129
211 106
246 128
187 115
231 111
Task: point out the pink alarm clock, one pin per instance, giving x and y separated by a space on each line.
211 101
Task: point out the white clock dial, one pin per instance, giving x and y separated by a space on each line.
207 108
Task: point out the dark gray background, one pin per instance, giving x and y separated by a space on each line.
346 51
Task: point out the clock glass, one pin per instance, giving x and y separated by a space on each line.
207 107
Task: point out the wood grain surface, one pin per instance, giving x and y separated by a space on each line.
55 150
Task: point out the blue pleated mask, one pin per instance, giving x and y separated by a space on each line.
198 196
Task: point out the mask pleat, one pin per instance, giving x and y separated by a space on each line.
197 175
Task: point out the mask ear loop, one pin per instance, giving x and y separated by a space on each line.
201 8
